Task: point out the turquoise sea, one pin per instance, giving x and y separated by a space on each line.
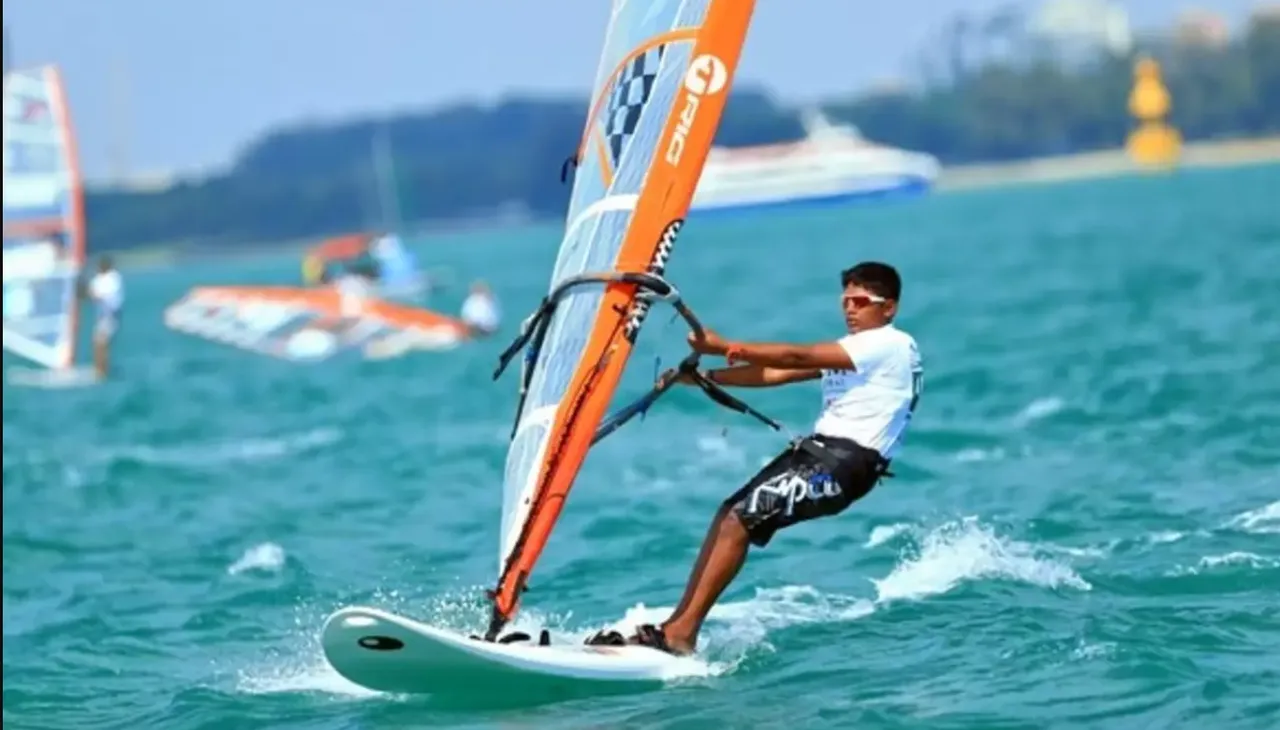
1084 531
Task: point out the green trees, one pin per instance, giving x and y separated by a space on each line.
474 162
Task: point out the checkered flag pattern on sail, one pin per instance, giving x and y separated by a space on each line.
631 92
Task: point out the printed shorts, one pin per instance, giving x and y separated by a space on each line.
798 486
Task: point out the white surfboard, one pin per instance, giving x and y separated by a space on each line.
390 653
73 377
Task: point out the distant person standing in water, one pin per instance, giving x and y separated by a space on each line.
107 291
480 311
354 287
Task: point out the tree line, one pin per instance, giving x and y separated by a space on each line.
471 162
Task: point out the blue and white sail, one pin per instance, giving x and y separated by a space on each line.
398 274
44 249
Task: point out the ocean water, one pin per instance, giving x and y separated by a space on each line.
1084 530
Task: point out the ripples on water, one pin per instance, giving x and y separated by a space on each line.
1082 532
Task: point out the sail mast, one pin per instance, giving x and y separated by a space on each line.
385 180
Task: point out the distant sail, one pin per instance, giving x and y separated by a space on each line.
44 236
397 269
660 89
398 275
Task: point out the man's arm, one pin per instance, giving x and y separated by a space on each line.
757 376
820 356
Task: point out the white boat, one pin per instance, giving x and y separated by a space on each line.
831 164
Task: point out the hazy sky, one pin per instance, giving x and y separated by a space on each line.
174 85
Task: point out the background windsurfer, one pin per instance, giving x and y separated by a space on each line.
107 291
480 311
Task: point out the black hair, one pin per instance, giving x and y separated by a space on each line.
878 278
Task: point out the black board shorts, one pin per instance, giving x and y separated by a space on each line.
816 476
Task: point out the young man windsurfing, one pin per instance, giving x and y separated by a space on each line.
871 379
106 289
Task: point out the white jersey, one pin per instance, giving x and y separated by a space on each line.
481 312
107 289
872 404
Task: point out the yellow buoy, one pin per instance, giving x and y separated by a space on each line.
1154 142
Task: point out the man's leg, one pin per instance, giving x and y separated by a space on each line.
724 550
794 487
746 517
101 348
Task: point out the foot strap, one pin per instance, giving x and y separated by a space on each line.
646 635
652 637
606 638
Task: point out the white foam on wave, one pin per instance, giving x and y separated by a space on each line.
299 673
976 455
735 629
966 550
216 453
1039 409
1265 519
267 557
881 534
1236 559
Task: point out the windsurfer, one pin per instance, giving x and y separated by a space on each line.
107 291
480 311
871 380
353 289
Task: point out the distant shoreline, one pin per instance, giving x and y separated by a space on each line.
977 176
1106 163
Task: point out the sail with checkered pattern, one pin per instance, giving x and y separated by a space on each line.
659 92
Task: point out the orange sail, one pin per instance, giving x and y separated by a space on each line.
343 247
339 248
663 81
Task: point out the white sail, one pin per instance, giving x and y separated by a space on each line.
44 248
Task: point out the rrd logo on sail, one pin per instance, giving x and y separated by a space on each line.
706 75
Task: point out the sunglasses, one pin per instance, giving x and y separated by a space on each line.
863 300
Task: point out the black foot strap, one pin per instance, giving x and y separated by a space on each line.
652 637
646 635
544 638
606 638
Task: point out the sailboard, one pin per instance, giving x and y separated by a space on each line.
44 232
309 325
660 90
